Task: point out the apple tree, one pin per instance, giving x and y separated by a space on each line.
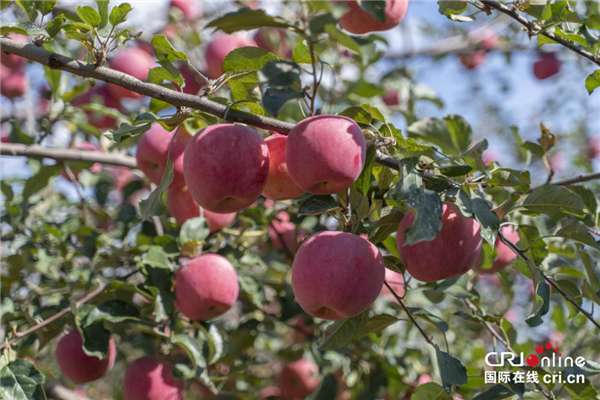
245 200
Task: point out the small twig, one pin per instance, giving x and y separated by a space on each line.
348 224
409 314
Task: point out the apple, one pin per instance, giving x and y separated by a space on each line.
206 287
593 147
325 153
274 40
301 331
132 61
78 366
423 379
182 207
148 378
219 47
504 255
298 379
226 167
282 233
358 21
12 83
473 59
396 282
193 81
546 66
280 185
269 392
153 149
100 95
489 40
12 61
337 275
190 9
452 253
391 98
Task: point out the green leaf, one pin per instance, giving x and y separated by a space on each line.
126 131
529 234
592 81
45 6
274 98
554 201
246 19
316 205
40 180
449 8
22 28
340 37
156 257
192 347
579 232
376 324
358 114
301 53
453 134
495 392
89 15
460 132
487 219
160 74
430 391
103 11
29 7
386 225
451 369
455 170
281 74
374 7
7 190
118 14
194 230
327 390
363 182
506 177
429 317
407 144
214 343
593 274
247 59
541 303
114 311
153 204
21 381
165 51
341 332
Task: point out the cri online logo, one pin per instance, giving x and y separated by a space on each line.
533 360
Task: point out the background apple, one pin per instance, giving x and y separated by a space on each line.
358 21
13 84
99 95
504 255
325 153
396 282
219 47
298 379
12 61
78 366
149 378
191 9
282 233
546 66
226 167
473 59
453 252
135 62
182 207
337 275
391 97
280 185
206 287
153 150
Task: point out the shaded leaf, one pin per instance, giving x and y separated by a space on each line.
341 332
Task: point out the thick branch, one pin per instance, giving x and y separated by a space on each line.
37 151
575 179
532 29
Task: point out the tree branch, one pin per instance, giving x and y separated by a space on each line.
37 151
521 253
575 179
533 29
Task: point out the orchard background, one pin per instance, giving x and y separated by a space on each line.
477 115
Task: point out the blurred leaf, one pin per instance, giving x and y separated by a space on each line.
593 274
328 389
341 332
506 177
192 347
194 230
376 324
429 317
281 74
358 114
541 304
21 381
126 131
449 8
40 180
316 205
592 81
430 391
165 51
496 392
554 201
577 231
455 170
156 257
118 14
247 59
89 15
22 28
45 6
246 19
530 234
274 99
363 182
103 11
451 369
340 37
301 53
29 7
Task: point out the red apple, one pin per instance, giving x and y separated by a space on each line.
78 366
391 98
325 153
504 255
546 66
473 59
594 147
282 233
12 61
100 95
337 275
219 47
132 61
206 287
148 378
423 379
280 185
298 379
452 253
358 21
153 149
396 282
226 167
12 83
190 9
182 207
274 40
